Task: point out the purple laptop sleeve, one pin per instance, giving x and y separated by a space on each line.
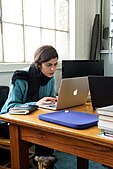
72 119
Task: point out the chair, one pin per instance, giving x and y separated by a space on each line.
5 142
4 90
5 145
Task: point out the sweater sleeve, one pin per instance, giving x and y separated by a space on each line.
17 96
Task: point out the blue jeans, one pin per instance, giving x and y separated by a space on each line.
43 151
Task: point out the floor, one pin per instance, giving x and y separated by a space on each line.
64 160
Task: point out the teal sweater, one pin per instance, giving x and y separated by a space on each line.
18 94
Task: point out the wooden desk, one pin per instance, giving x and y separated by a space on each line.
86 144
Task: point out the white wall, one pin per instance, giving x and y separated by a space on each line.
6 71
85 11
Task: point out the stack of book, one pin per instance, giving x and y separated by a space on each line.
105 120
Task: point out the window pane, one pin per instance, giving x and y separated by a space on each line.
32 42
48 37
62 15
47 13
13 43
28 24
32 12
12 11
62 45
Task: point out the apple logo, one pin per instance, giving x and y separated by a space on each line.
75 92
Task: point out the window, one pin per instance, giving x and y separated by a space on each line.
107 25
111 24
28 24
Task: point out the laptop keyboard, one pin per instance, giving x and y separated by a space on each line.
52 105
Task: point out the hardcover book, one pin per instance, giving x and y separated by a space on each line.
106 123
24 109
106 118
107 111
104 127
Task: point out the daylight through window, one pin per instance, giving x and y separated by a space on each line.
28 24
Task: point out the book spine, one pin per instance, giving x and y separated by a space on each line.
105 123
103 127
103 117
105 113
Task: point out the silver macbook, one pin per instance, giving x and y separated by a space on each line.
72 92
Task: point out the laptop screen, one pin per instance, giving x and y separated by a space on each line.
78 68
101 90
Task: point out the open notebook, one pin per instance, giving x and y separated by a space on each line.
73 92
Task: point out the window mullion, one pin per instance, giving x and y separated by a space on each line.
23 25
1 24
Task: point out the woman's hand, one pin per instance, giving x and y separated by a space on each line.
46 100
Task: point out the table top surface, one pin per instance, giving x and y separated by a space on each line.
32 121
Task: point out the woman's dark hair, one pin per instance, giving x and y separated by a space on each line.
44 54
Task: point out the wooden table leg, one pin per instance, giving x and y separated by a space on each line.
19 149
82 163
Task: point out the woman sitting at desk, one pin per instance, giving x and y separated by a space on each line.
33 86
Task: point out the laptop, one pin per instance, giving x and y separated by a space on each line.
101 91
72 92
